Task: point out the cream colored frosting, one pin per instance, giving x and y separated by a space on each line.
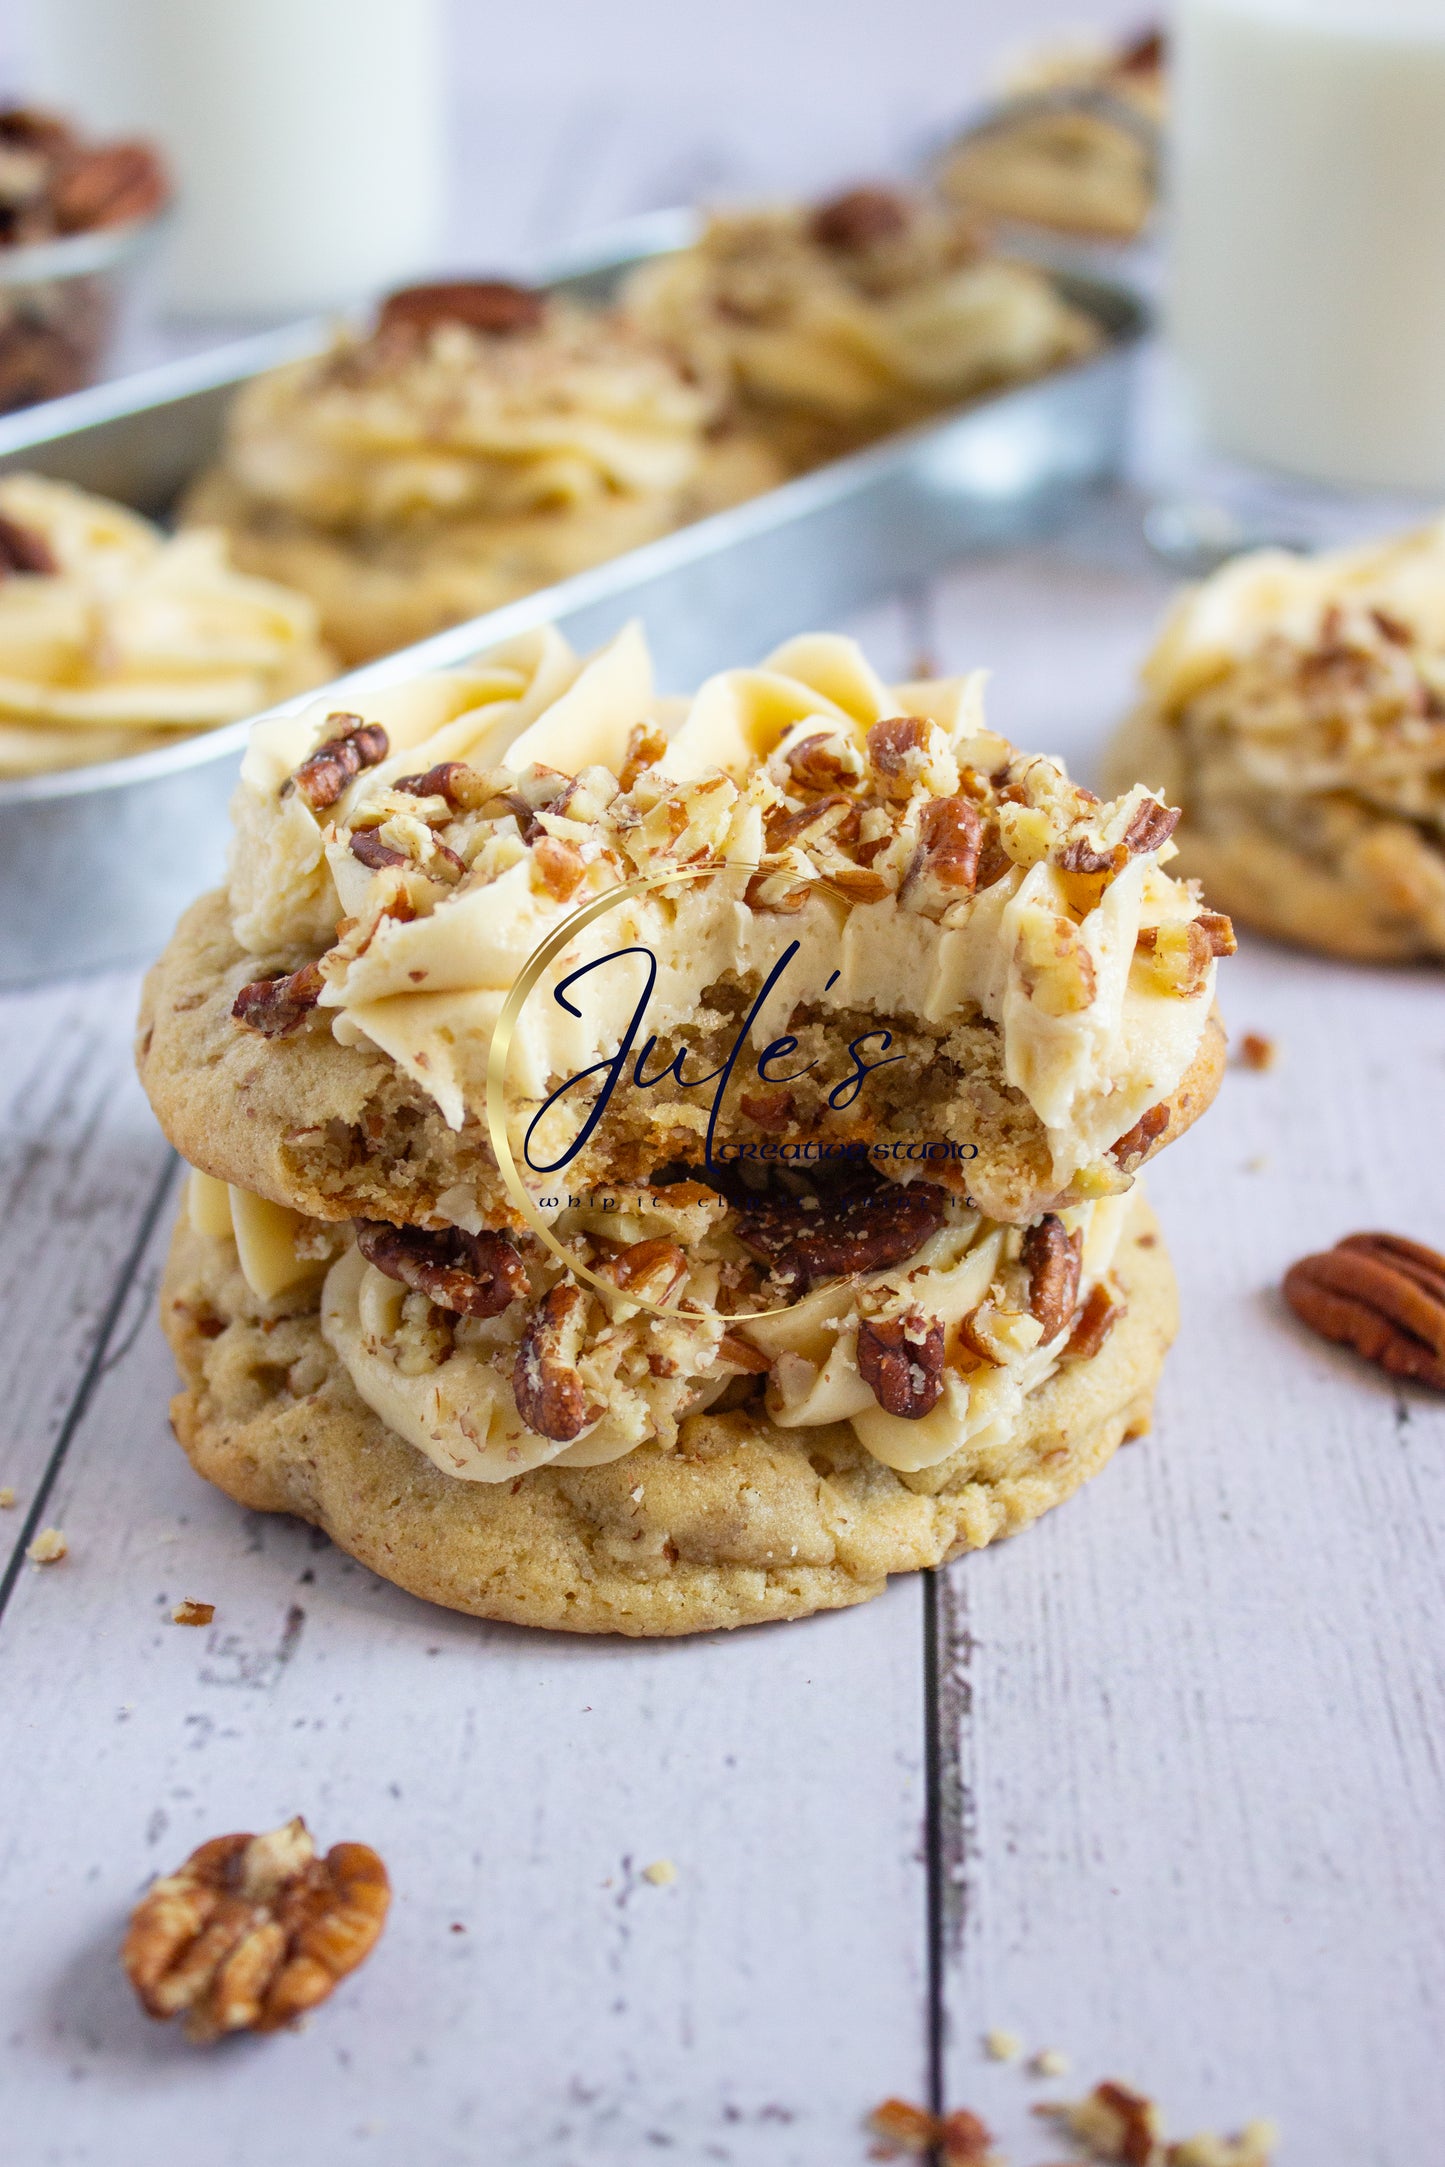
919 319
378 431
1296 675
1089 1038
453 1400
134 639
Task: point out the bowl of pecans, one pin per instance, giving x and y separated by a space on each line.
77 221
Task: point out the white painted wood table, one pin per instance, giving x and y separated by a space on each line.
1158 1783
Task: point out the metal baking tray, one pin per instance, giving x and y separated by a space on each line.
97 863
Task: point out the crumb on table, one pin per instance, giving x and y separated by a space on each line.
1002 2046
7 1499
1257 1052
190 1612
661 1873
48 1548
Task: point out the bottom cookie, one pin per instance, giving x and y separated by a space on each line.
741 1523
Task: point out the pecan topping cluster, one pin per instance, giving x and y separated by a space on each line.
254 1931
1380 1294
337 761
473 1275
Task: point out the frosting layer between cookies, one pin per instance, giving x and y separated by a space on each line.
984 1314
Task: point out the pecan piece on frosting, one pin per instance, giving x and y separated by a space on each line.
825 761
652 1269
895 749
951 832
1380 1294
863 1230
900 1359
1135 1142
23 550
551 1397
476 1275
859 219
1052 1259
276 1006
337 761
491 305
466 789
1151 827
369 849
254 1930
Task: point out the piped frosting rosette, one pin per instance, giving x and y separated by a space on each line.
864 314
115 639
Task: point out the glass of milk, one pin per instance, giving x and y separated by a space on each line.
306 136
1307 284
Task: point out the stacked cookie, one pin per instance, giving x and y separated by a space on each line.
665 1164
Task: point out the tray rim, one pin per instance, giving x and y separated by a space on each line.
1122 309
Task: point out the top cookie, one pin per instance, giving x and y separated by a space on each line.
873 928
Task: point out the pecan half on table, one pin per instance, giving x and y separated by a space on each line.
1380 1294
254 1930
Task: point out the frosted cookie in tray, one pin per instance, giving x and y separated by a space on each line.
115 640
825 328
480 441
1295 708
663 1163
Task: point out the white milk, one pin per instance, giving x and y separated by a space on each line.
1308 217
306 136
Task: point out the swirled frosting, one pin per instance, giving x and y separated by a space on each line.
120 639
922 867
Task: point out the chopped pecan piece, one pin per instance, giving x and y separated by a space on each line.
857 883
466 789
860 219
952 831
824 761
254 1930
781 893
1151 827
653 1269
1095 1321
645 747
476 1275
770 1109
1380 1294
1083 856
894 747
837 816
1052 1260
337 761
1149 1127
561 865
23 550
859 1230
491 305
900 1359
959 2139
1218 931
368 847
738 1353
1257 1052
276 1006
550 1396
